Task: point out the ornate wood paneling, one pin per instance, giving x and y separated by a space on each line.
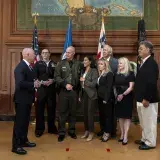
12 41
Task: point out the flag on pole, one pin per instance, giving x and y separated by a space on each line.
141 31
35 45
68 39
102 40
141 37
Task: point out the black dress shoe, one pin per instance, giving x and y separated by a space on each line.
120 140
38 133
139 142
72 135
145 147
100 133
29 144
61 138
124 143
19 151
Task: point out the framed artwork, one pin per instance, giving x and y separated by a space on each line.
86 14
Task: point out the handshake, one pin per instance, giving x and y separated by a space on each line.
38 83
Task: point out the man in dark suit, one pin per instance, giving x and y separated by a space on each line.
46 94
23 99
113 63
147 96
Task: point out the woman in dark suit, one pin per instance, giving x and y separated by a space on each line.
89 95
105 98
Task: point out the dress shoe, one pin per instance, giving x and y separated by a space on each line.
100 133
139 142
120 140
145 147
19 151
72 135
85 134
61 138
38 133
29 144
90 137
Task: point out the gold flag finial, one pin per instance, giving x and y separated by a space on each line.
35 15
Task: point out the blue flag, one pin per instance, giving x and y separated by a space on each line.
68 40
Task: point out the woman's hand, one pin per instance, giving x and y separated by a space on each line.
120 97
82 79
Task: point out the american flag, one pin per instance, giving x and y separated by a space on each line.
102 41
35 45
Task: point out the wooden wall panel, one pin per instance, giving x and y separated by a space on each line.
12 41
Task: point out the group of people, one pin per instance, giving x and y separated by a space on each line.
109 83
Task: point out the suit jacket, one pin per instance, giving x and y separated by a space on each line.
24 84
146 81
113 62
105 87
90 83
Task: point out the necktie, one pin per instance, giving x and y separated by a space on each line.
30 67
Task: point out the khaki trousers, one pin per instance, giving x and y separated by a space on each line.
148 121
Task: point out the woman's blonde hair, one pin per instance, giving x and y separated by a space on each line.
127 66
106 63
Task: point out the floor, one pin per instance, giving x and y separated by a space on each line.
49 149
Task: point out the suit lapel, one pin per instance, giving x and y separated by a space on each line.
145 63
89 73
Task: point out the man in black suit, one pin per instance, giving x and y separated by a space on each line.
147 96
113 63
23 99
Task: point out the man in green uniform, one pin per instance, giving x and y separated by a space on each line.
67 75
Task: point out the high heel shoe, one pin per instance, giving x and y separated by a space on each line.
90 137
124 143
85 135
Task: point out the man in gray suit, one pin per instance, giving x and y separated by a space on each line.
108 55
113 63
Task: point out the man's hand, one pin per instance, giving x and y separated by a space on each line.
49 82
119 97
145 103
69 87
37 84
82 79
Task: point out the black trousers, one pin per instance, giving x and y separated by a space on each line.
89 106
114 120
21 123
67 111
45 97
105 116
